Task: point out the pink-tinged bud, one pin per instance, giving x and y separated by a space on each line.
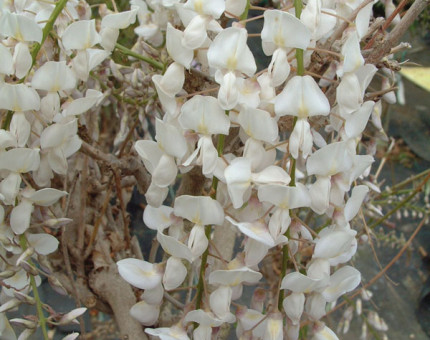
71 316
258 299
11 304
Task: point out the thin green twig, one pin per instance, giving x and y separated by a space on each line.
148 60
208 229
39 305
298 6
401 204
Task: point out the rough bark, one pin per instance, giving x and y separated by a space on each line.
109 286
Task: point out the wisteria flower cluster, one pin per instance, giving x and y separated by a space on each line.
252 179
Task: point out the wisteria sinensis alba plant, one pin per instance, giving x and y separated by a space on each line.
252 177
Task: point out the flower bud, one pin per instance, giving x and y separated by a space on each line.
24 322
7 273
11 304
24 298
26 254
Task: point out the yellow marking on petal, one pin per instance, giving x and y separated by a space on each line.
232 62
198 6
18 35
279 40
303 110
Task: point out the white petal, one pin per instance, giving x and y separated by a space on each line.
54 76
293 306
277 29
46 197
18 97
153 296
298 283
120 20
201 210
156 195
165 172
157 218
325 334
220 303
354 203
329 160
238 177
228 94
229 51
333 243
301 139
20 160
173 247
170 139
6 66
357 121
81 105
20 217
352 54
80 35
20 27
203 115
195 33
72 315
279 68
258 124
197 241
209 155
174 273
303 98
21 128
138 273
173 79
256 230
43 244
342 281
234 277
213 8
22 60
176 50
348 94
315 306
285 197
203 318
145 313
149 152
9 187
255 251
236 7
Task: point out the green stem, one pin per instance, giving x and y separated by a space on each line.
401 204
284 266
148 60
407 181
244 15
6 122
41 315
208 229
298 6
48 27
285 254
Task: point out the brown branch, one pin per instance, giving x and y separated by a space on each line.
393 38
338 33
129 165
108 284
